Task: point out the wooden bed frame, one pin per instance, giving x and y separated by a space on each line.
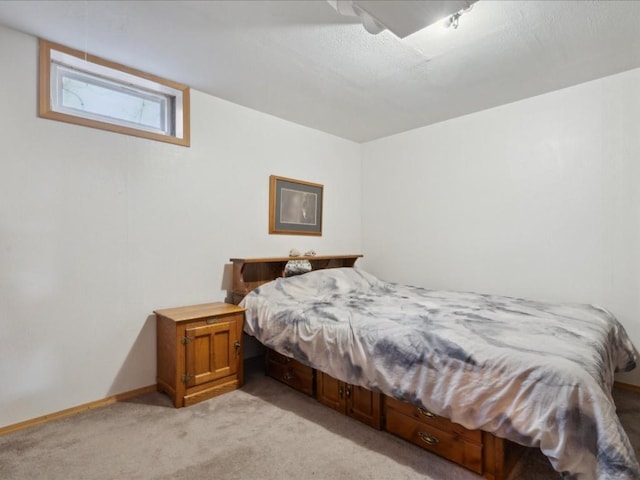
479 451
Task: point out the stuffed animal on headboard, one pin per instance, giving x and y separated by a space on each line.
297 267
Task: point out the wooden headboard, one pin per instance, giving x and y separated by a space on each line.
250 273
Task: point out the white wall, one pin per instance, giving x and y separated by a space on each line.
97 230
539 198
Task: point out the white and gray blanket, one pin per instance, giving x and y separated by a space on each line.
539 374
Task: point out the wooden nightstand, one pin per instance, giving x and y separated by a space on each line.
199 351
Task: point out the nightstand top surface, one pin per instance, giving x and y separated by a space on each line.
194 312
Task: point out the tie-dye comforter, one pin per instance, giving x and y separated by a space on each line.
536 373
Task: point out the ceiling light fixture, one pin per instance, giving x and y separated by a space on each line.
401 18
454 20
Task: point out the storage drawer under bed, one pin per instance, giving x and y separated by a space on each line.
434 433
290 371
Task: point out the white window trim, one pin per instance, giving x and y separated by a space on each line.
52 56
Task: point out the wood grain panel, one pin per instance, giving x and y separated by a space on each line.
447 444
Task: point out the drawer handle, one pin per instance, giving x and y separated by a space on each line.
287 376
428 438
426 412
211 320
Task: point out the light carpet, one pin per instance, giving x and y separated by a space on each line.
264 431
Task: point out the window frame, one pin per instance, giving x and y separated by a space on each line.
100 67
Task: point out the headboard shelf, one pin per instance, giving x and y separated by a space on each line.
250 273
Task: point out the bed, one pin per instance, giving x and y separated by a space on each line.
537 374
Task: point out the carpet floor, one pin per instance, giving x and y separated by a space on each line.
264 431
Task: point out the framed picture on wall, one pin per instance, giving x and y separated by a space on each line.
295 207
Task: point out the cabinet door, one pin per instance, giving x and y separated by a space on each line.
364 405
330 392
211 352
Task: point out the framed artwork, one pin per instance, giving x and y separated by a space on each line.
295 207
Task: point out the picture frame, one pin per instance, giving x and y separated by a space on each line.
295 206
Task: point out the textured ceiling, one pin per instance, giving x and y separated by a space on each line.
302 61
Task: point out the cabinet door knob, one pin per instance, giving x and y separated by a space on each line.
237 345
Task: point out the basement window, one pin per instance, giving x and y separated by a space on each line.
87 90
